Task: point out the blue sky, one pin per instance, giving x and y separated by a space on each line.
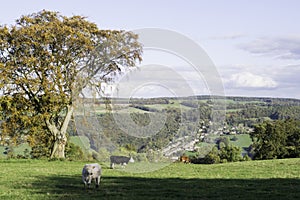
255 45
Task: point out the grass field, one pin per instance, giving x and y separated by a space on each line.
18 150
41 179
243 140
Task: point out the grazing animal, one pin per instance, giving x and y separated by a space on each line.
123 160
90 172
185 159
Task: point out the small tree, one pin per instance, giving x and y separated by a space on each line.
212 157
230 153
46 60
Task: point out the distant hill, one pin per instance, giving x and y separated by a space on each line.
187 119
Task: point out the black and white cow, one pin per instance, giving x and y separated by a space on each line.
122 160
90 172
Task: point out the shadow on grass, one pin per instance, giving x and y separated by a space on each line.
70 187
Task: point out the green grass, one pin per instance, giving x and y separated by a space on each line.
244 140
173 104
2 150
18 150
41 179
124 108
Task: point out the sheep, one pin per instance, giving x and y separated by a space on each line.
90 172
123 160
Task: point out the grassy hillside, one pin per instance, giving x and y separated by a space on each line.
40 179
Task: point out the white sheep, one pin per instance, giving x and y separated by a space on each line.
90 172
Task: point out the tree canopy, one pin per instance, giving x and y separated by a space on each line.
277 139
46 60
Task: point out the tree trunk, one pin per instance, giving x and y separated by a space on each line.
58 148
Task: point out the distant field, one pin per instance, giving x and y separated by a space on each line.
18 150
172 104
41 179
243 140
101 108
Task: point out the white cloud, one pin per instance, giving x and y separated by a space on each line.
250 81
287 47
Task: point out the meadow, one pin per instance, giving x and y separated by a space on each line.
43 179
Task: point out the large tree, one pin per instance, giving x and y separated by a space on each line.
46 61
276 139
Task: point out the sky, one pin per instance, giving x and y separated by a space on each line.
254 45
